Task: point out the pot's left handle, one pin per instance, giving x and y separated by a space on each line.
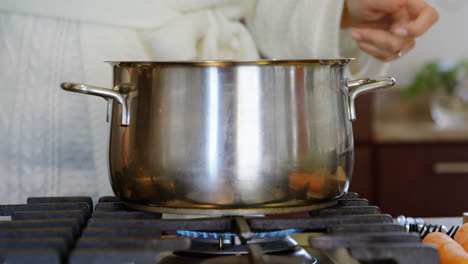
107 94
362 86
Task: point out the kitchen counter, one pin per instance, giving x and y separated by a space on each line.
416 131
397 120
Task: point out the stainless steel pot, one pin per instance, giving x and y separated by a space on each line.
231 138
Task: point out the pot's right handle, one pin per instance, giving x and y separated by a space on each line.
362 86
107 94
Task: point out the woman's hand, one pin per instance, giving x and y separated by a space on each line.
386 29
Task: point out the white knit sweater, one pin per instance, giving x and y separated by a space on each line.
54 142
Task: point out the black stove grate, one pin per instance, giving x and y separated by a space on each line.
68 230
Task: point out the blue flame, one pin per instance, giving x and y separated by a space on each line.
214 235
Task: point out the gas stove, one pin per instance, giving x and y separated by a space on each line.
71 230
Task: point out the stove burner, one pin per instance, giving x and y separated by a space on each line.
256 256
57 230
227 243
255 235
234 246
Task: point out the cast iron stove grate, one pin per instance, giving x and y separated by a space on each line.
68 230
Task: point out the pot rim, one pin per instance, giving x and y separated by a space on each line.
228 63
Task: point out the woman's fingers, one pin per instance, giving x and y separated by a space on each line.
387 6
423 22
423 17
376 52
408 46
379 38
382 44
389 27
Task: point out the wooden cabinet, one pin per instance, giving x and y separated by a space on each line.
413 179
363 181
362 127
422 180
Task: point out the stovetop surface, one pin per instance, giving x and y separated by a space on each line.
72 230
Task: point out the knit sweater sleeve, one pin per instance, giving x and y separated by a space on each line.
307 29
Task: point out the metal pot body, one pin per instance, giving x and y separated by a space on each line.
232 138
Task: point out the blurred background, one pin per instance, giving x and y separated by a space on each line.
412 141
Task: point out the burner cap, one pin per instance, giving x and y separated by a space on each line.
266 259
257 255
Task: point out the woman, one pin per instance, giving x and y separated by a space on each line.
54 142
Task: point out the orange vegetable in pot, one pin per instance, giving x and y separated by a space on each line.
315 181
449 250
462 236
